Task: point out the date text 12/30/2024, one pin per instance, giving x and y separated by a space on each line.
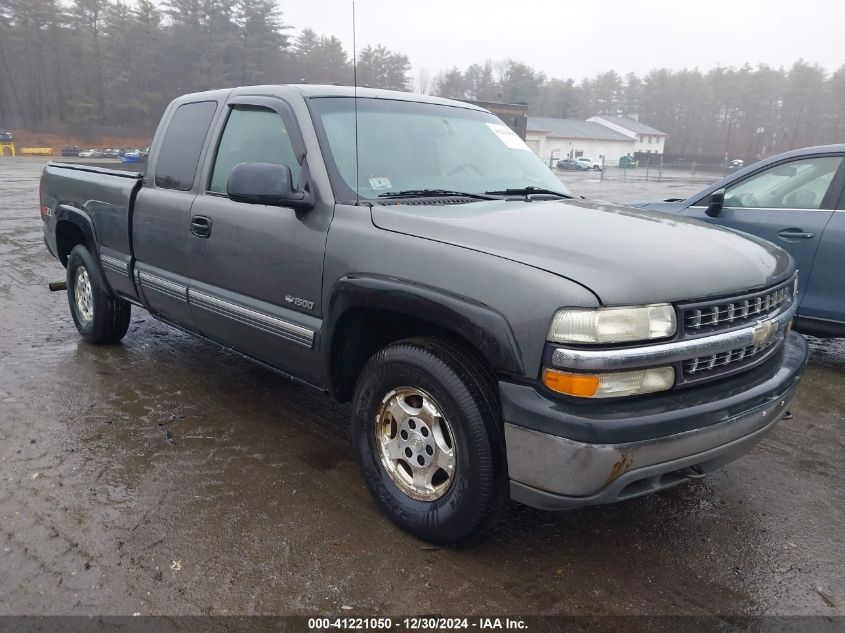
417 624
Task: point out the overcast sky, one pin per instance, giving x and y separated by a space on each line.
578 38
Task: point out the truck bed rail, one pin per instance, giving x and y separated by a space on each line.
122 173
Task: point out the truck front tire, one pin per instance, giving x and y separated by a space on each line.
100 317
428 436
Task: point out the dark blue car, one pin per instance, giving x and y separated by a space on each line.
797 201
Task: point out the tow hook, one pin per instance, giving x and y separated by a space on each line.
693 472
787 415
57 285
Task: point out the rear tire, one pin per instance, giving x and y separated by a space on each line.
100 317
437 467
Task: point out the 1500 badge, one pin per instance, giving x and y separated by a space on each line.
299 303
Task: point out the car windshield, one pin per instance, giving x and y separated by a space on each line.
410 146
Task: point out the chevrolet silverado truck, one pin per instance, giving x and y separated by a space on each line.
498 339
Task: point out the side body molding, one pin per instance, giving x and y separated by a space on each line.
485 328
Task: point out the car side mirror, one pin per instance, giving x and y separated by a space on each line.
265 183
717 201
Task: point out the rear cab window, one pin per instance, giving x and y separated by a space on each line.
176 165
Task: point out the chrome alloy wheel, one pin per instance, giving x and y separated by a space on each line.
83 294
416 444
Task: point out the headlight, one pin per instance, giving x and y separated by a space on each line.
612 325
611 385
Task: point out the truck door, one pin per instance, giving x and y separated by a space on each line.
257 270
162 210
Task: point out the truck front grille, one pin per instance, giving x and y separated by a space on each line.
724 314
717 338
730 361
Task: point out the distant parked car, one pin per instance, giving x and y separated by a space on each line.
90 153
70 151
797 201
111 153
132 156
590 163
735 165
6 137
569 164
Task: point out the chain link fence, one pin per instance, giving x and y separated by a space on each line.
659 170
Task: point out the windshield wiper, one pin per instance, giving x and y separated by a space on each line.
528 191
436 193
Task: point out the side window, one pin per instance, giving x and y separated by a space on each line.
252 135
800 184
177 161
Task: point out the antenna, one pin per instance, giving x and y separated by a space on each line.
355 101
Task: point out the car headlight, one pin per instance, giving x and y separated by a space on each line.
612 325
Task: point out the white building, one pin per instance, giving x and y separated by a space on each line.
553 139
647 139
599 137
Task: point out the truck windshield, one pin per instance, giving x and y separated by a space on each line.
409 146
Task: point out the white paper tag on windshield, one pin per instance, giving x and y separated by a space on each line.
380 183
508 137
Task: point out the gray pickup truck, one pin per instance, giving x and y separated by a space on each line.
497 338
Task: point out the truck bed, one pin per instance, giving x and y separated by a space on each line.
103 197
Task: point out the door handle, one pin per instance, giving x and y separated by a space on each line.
796 234
201 226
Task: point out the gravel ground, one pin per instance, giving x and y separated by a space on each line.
165 476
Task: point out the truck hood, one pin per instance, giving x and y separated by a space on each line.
625 256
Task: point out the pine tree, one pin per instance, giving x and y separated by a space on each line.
379 67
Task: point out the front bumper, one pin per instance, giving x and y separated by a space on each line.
566 456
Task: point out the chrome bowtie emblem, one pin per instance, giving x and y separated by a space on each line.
764 332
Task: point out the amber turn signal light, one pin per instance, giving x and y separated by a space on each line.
626 383
582 385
